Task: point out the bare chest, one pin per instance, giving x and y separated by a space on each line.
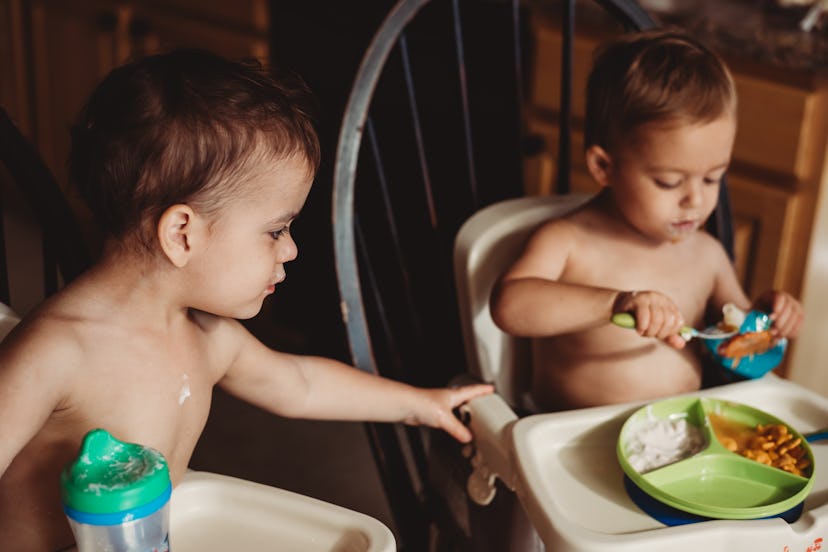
677 271
156 397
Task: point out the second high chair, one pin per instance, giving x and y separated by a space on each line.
562 466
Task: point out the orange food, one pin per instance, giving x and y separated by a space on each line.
747 344
771 444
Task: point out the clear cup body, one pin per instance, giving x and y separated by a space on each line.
147 534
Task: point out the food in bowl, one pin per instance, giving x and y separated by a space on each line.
656 443
746 344
716 482
751 353
770 444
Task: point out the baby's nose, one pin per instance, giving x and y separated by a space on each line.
692 194
289 251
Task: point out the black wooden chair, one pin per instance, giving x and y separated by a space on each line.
433 131
65 253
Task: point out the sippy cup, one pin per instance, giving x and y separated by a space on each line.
116 496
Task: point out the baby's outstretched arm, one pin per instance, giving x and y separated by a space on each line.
785 311
320 388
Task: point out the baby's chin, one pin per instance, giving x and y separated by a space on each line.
242 313
680 231
676 235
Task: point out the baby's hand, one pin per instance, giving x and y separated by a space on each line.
437 408
785 311
656 315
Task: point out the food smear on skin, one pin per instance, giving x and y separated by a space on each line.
185 389
770 444
654 443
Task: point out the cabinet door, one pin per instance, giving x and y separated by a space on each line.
76 43
151 31
73 45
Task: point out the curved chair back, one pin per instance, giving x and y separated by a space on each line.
434 130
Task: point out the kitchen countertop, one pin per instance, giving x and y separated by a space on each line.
751 31
756 33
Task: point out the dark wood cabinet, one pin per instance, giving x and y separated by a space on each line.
53 53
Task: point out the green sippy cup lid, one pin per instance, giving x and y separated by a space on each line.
111 476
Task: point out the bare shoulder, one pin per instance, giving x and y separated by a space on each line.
553 242
225 339
41 361
46 334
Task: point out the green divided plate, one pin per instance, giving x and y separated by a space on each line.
715 482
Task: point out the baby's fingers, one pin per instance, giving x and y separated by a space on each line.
456 429
660 321
448 422
461 395
676 341
787 316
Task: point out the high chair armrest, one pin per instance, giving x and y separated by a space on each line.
490 420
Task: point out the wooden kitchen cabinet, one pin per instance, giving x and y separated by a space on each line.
54 52
778 160
74 43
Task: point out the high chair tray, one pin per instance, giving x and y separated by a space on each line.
211 512
572 486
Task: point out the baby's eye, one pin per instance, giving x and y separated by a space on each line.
276 234
713 179
666 184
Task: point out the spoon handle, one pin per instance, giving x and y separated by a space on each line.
818 435
627 320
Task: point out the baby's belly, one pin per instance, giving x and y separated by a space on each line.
563 378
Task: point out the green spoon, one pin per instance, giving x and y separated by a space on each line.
627 320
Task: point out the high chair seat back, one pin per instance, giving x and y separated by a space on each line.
487 243
40 206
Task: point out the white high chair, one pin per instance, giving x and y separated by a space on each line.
484 247
562 466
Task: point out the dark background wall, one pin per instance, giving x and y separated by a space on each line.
322 41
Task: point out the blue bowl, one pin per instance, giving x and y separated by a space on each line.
753 366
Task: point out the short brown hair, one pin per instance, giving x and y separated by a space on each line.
176 128
657 75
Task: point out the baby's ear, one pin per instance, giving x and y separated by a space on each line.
175 233
599 164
